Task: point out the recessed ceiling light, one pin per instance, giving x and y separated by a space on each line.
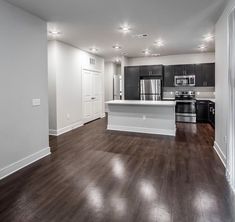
125 28
209 38
202 47
55 33
117 47
117 60
159 43
146 52
93 49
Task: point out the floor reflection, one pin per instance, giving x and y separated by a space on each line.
95 198
118 168
159 213
119 205
147 190
206 201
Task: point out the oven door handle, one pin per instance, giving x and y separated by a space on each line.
185 101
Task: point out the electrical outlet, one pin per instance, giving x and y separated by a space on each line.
36 102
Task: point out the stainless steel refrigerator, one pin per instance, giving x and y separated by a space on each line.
151 89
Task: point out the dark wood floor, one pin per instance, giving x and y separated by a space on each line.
98 175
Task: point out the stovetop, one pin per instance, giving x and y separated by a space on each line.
185 95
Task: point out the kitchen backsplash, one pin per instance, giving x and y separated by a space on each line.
201 92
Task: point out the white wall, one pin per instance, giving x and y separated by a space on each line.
124 62
221 80
23 68
173 59
65 64
118 69
109 72
52 67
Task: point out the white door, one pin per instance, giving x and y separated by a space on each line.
97 104
92 102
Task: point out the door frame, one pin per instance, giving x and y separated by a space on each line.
230 157
101 93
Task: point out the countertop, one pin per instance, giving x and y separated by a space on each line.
210 99
141 103
197 98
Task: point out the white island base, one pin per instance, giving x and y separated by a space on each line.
153 117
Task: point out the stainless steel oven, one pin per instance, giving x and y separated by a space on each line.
185 106
185 80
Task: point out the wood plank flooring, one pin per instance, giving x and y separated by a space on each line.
94 175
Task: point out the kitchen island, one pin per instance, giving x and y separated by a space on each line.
153 117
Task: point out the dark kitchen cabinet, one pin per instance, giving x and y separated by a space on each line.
190 69
205 112
211 113
208 71
156 70
169 78
198 75
179 70
205 75
184 70
202 111
145 70
131 82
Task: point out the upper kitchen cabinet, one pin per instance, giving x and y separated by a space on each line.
131 82
199 75
179 70
190 69
169 77
205 75
184 70
156 70
208 70
145 70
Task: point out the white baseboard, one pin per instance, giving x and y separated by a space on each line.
220 153
52 132
142 130
8 170
103 115
66 129
228 175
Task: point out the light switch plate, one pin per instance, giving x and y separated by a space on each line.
36 102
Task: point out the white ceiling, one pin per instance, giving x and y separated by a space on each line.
86 23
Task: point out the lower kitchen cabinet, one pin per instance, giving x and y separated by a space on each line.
202 111
211 113
205 112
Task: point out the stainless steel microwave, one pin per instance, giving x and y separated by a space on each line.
185 80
